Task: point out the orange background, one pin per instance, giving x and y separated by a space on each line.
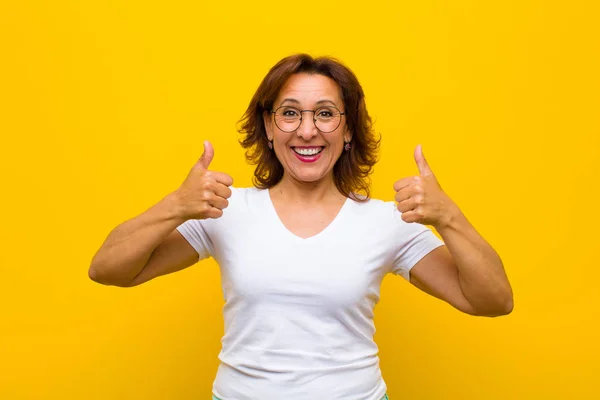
104 107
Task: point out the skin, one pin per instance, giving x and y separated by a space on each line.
467 272
308 182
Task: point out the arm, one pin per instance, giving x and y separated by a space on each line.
467 272
143 247
148 245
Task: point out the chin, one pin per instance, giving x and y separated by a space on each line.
309 178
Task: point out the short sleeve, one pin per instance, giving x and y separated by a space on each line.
194 231
412 242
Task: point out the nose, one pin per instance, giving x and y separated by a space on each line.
307 128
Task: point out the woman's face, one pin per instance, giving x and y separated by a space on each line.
307 154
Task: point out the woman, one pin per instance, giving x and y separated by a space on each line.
302 255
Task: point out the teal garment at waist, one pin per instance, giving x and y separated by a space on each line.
383 398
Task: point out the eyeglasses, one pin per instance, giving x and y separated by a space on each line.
326 119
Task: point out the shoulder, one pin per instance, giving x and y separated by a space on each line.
242 200
375 208
383 216
243 195
242 205
373 215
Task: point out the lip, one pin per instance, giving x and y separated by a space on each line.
307 159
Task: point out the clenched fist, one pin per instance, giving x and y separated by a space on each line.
421 199
204 193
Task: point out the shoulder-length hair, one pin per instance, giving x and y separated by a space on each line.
351 171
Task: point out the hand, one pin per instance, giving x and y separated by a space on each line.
420 198
204 193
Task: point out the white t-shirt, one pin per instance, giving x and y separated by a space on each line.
299 312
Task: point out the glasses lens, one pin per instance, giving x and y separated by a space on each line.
327 119
287 118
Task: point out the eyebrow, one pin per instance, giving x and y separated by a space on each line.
290 100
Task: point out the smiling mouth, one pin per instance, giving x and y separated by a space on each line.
308 151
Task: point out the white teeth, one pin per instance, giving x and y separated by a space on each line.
308 152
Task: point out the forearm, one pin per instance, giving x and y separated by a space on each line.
480 270
129 246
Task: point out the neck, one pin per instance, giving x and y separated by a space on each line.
308 193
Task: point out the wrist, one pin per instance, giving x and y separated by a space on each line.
451 220
174 207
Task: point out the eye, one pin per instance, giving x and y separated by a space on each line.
325 113
289 112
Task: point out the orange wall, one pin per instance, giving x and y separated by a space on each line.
104 107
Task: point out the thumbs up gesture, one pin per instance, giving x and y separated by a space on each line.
421 198
204 193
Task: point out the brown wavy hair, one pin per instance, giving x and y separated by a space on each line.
351 171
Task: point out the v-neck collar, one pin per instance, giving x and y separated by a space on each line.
280 225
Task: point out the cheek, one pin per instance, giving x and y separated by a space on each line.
280 139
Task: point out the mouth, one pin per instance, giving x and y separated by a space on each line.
307 150
308 153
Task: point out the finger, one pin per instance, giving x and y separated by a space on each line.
406 205
407 192
207 155
422 164
404 182
222 190
213 213
223 178
218 202
411 216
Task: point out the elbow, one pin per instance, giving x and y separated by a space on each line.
506 303
509 305
93 274
501 306
101 276
500 309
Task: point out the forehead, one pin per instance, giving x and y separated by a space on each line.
310 88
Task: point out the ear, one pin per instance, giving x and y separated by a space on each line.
347 135
268 124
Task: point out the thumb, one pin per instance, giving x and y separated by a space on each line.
207 155
422 164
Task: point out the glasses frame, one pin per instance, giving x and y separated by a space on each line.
314 118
